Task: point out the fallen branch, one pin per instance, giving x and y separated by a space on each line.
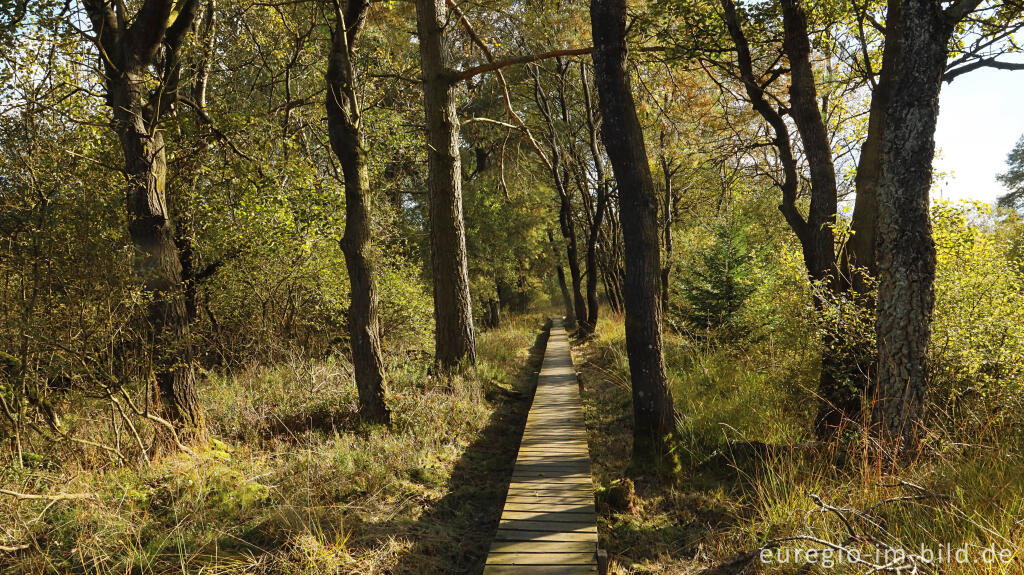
14 548
54 497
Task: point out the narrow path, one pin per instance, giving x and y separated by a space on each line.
549 525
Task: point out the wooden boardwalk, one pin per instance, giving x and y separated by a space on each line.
549 526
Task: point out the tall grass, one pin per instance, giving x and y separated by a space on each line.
753 474
292 484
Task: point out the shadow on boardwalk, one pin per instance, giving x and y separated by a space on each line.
454 535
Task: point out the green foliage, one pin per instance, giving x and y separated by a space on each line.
717 287
977 349
1013 179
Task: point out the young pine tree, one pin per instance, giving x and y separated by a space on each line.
717 287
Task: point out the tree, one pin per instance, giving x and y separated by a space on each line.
654 425
906 250
815 232
566 214
345 132
717 289
600 207
1013 179
128 52
453 314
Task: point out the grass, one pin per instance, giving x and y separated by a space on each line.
752 475
293 483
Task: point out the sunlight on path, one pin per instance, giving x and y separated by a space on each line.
549 525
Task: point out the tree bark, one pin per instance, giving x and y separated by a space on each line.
570 310
654 425
129 51
453 316
906 250
666 269
345 133
593 306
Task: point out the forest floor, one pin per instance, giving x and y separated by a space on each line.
294 484
751 474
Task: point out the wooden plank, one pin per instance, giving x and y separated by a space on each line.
550 496
576 464
557 526
587 507
584 486
563 516
560 493
559 536
551 470
543 547
525 474
540 569
541 558
554 473
549 525
552 483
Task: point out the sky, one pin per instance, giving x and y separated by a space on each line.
981 117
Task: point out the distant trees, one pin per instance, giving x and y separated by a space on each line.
562 180
1013 179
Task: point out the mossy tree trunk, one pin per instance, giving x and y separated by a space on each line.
129 53
345 133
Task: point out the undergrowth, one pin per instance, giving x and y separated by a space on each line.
754 476
293 483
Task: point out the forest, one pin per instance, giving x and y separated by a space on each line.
277 278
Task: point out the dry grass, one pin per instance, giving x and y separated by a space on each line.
294 484
752 476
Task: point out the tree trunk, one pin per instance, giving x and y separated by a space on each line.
344 131
855 369
453 315
570 310
838 394
129 53
156 261
592 263
594 236
860 252
654 426
666 269
819 245
906 250
839 382
568 226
